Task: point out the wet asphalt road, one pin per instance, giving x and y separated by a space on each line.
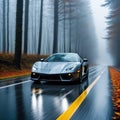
25 100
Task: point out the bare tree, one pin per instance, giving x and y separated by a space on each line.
18 41
40 30
70 25
8 26
55 38
26 26
64 25
4 26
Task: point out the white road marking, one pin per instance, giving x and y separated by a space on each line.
14 84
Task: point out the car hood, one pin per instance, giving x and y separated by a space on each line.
55 67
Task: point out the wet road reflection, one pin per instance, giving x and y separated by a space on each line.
30 101
100 102
52 99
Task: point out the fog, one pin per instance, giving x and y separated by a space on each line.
99 16
83 26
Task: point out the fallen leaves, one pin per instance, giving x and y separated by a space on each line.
7 69
115 77
5 75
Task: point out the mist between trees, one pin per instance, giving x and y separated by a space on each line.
48 26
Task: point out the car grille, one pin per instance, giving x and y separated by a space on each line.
50 77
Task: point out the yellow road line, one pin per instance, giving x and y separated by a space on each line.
74 106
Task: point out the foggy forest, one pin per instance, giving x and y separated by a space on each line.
51 26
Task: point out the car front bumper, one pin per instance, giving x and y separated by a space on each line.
55 77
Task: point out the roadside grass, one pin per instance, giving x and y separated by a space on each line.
115 77
7 69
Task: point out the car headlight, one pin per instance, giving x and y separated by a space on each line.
34 68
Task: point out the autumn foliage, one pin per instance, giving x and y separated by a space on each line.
115 77
8 70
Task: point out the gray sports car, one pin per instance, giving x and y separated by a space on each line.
60 67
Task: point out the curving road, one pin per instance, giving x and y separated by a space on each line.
21 99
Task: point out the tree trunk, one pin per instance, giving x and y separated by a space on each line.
18 41
7 26
40 30
26 26
55 39
4 26
64 29
70 26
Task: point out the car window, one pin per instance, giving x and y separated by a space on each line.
63 58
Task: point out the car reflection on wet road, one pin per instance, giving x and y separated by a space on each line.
29 101
54 99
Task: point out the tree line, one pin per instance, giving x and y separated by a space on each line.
113 36
45 27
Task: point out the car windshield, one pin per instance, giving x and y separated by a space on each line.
63 58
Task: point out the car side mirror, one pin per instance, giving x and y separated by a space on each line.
85 60
42 59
